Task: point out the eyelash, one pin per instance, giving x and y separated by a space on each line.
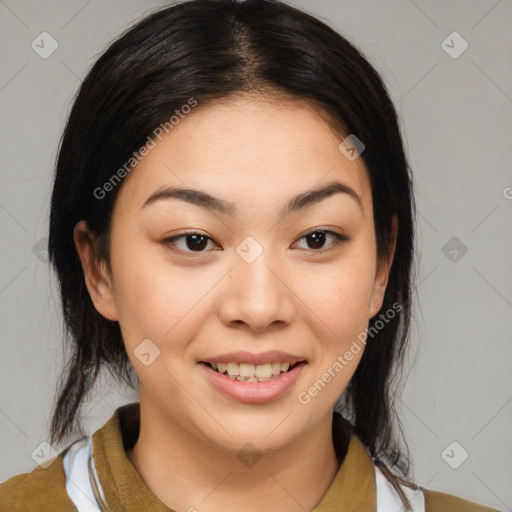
338 239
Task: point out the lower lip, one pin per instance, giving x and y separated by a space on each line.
254 392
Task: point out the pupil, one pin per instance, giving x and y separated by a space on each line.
199 241
317 237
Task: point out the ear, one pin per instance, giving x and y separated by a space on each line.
382 273
97 277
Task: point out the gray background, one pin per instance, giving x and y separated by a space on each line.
457 122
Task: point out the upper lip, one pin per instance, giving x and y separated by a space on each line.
273 356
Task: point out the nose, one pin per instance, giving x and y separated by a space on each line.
257 296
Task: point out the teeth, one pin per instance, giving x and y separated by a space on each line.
233 369
247 372
264 370
248 379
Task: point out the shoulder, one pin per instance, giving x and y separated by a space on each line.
43 489
440 502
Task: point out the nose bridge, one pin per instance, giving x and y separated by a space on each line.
256 294
255 275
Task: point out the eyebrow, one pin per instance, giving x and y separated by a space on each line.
297 203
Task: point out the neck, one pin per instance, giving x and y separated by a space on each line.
185 471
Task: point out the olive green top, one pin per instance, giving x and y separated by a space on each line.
43 490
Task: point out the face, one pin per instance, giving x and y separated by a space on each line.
253 277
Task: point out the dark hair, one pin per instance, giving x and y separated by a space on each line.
213 49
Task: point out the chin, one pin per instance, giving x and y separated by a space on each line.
266 430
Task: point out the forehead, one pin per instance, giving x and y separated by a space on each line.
244 148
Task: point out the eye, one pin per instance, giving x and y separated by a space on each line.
193 242
317 238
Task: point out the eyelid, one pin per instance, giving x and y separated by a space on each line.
169 240
339 238
321 229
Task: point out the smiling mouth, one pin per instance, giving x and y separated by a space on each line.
245 372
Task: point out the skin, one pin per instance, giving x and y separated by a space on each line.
298 297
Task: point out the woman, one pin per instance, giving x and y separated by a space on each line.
232 218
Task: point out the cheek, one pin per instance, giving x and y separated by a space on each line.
338 299
157 299
147 295
339 295
338 318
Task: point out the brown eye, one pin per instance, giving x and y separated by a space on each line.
196 242
316 239
188 242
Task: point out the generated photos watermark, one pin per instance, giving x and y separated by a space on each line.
138 156
343 360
